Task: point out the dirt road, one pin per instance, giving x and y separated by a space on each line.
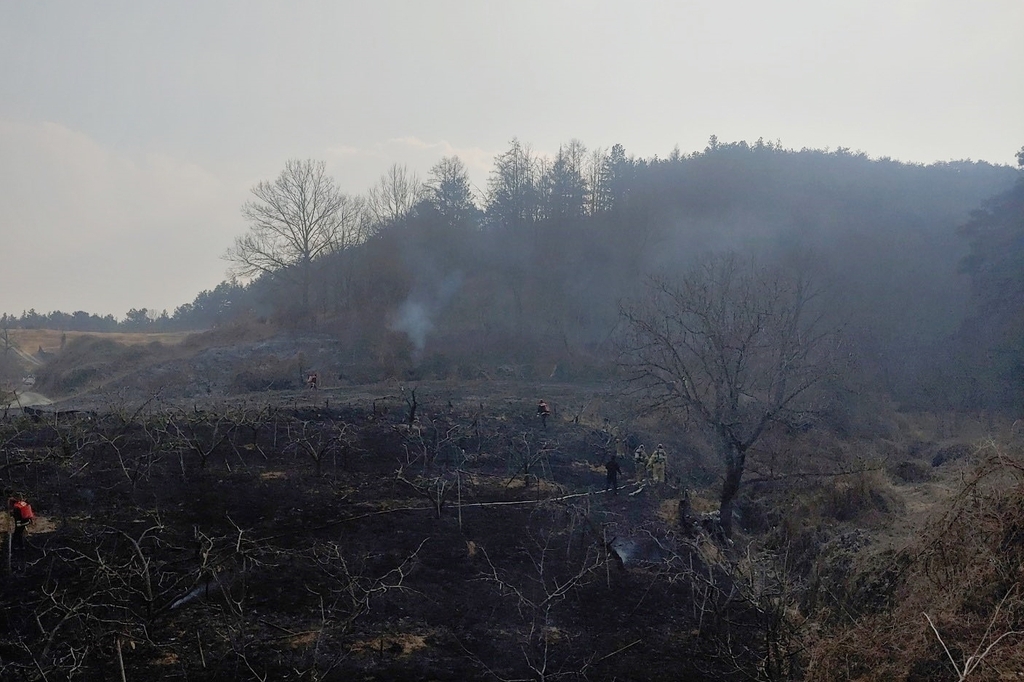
27 399
32 360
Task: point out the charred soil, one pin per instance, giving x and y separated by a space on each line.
435 531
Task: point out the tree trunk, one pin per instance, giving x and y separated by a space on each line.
734 461
306 267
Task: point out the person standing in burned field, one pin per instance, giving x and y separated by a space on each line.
657 464
543 411
640 462
612 470
21 513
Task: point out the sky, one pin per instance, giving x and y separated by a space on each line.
132 132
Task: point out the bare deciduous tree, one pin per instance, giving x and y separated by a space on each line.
733 347
396 193
298 218
596 161
557 568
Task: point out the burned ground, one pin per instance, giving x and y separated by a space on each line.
379 533
321 541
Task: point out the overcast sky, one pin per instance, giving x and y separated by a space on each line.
131 132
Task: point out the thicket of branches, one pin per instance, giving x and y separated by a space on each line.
951 605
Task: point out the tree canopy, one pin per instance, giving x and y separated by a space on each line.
995 264
298 218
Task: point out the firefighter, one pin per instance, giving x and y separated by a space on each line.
657 463
21 512
313 380
640 462
612 477
543 411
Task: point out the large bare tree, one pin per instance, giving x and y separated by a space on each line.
294 220
733 347
393 197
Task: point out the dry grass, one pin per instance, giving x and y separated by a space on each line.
42 524
668 512
945 428
169 658
400 644
303 640
964 568
31 340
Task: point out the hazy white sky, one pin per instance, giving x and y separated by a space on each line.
131 132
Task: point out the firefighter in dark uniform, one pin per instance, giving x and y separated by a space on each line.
612 476
543 411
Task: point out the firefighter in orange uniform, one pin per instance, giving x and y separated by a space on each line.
21 512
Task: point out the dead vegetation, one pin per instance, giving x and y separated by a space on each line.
948 605
53 340
448 535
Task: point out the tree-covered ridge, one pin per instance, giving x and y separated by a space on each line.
526 189
532 268
995 265
208 309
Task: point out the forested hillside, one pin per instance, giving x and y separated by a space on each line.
536 279
530 272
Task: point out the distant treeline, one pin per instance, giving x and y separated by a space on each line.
209 309
531 270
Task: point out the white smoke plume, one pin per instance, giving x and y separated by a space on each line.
415 316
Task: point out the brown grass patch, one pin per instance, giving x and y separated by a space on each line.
962 568
169 658
31 340
303 639
401 645
536 484
702 505
587 466
273 475
42 524
668 511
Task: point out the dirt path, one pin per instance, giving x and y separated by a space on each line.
28 399
30 359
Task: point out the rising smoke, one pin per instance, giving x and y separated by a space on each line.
415 317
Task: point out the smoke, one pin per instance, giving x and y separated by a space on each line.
413 319
626 549
415 316
635 551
